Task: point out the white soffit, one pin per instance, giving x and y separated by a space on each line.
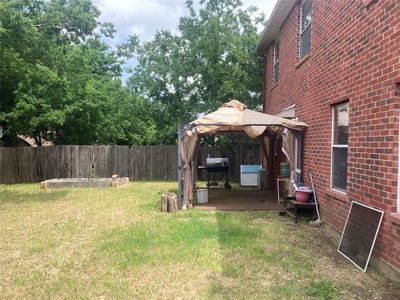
271 30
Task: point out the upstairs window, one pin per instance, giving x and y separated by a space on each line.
305 27
340 125
276 62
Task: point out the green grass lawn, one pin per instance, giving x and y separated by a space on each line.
114 243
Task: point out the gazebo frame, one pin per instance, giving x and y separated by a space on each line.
236 119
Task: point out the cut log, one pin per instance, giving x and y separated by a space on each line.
164 202
169 202
172 202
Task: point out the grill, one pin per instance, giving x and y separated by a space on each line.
217 165
217 162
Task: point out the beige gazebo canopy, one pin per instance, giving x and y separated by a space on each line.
233 116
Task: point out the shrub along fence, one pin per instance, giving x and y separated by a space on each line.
152 162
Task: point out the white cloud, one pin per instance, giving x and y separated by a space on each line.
142 17
265 6
146 17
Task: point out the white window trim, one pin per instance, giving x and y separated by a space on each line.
332 147
301 24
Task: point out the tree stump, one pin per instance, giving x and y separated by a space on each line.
164 202
169 202
172 203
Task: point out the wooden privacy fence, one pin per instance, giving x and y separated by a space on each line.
152 162
243 154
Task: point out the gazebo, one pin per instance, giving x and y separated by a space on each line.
234 116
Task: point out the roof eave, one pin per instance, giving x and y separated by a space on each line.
271 31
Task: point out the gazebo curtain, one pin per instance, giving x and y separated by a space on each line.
189 144
289 149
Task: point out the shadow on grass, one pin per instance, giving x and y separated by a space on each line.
244 254
161 239
238 243
263 257
21 197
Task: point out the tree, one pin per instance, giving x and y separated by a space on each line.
59 81
107 114
35 34
210 61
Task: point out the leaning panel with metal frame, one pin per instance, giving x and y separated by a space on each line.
359 234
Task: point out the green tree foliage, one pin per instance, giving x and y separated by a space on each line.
60 82
211 60
107 114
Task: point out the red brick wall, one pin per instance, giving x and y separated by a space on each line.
355 56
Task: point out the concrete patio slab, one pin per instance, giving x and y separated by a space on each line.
240 199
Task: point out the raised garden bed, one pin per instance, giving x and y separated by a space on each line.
64 183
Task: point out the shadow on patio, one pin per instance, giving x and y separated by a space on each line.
239 199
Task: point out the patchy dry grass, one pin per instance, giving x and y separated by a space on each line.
114 243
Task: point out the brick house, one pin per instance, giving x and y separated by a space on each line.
336 66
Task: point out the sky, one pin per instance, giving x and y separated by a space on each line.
146 17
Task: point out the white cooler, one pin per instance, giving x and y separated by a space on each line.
249 175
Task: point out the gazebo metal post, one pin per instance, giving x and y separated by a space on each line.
180 164
273 158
